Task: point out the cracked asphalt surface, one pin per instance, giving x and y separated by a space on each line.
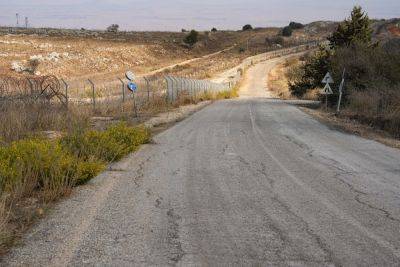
250 181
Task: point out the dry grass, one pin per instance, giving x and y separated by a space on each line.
36 171
371 114
278 80
112 54
346 123
378 108
20 119
4 219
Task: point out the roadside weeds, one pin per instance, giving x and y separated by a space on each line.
278 84
36 172
351 126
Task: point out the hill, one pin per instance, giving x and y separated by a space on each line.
73 54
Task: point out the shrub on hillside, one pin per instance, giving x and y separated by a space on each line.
295 25
110 145
287 31
311 72
44 165
113 28
367 67
192 38
247 27
46 170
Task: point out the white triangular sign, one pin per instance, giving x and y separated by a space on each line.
327 90
328 78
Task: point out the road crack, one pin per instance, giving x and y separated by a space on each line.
173 238
360 193
329 256
140 172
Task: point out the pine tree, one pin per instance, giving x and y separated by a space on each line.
355 29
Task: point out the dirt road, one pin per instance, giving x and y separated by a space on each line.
251 181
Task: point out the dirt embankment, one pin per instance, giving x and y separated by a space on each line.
73 54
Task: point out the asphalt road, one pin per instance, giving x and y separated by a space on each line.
251 181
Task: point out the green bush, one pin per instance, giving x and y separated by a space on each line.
109 145
192 38
367 67
295 25
86 170
39 164
311 73
113 28
287 31
247 27
52 166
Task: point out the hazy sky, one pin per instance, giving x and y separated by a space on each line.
188 14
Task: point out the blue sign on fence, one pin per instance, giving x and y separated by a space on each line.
132 87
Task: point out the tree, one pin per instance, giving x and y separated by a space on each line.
214 29
113 28
312 72
357 28
192 38
287 31
296 25
247 27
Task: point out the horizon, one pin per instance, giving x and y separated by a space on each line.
156 15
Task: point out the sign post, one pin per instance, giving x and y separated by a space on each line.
341 87
132 87
327 89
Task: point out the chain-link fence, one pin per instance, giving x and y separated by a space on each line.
191 88
106 93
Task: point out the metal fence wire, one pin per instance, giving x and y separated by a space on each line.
31 89
176 87
111 91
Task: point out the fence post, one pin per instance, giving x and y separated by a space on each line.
176 80
31 85
169 91
134 105
66 92
123 90
93 94
174 85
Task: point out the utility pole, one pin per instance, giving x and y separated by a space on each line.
17 16
26 22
